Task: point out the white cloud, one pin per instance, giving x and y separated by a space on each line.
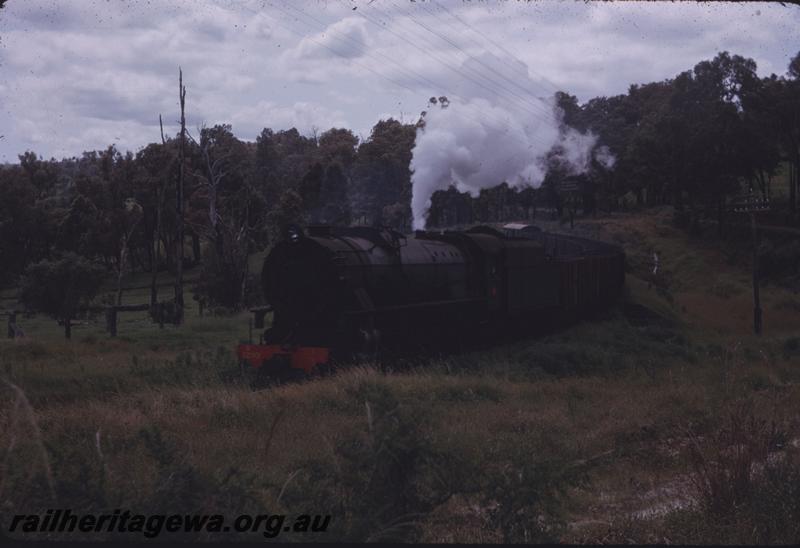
76 75
346 39
301 115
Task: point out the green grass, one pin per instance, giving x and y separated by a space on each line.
470 447
581 435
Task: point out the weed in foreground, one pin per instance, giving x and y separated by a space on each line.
746 476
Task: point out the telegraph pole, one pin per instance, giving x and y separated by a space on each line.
752 205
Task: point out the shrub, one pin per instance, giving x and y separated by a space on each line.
384 477
791 347
61 286
747 484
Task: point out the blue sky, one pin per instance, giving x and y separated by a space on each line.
84 74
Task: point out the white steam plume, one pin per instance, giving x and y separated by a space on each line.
603 155
480 140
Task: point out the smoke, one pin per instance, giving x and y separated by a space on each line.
604 157
479 140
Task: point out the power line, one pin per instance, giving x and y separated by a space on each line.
494 92
499 46
533 108
483 121
524 100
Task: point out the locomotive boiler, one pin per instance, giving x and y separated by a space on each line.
340 291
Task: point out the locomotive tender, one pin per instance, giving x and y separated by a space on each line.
339 291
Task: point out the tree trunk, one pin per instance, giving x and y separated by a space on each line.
160 194
791 187
67 328
196 247
179 208
793 184
154 272
111 321
245 272
678 199
121 265
12 324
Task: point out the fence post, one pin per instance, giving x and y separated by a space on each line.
259 318
12 322
111 321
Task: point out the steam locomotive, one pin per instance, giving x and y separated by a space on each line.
340 291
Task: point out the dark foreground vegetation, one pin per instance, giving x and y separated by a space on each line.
663 420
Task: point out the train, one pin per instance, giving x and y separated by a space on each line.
339 292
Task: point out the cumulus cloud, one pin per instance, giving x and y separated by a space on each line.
344 39
76 74
304 116
335 50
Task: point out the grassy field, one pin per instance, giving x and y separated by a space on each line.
664 420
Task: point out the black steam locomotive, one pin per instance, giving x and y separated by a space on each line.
336 291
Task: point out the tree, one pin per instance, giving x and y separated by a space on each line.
157 171
25 226
227 212
131 217
281 161
335 205
789 101
381 174
288 211
59 287
179 205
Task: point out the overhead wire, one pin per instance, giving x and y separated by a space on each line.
550 116
417 75
535 102
467 25
496 91
553 87
482 120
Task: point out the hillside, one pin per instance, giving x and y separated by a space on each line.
663 420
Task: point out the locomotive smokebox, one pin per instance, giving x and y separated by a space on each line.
300 280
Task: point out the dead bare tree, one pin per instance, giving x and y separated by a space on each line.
133 214
179 205
161 186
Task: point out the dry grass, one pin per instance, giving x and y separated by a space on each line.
594 434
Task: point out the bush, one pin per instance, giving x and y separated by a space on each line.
60 287
747 484
220 282
527 498
778 259
385 477
791 347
